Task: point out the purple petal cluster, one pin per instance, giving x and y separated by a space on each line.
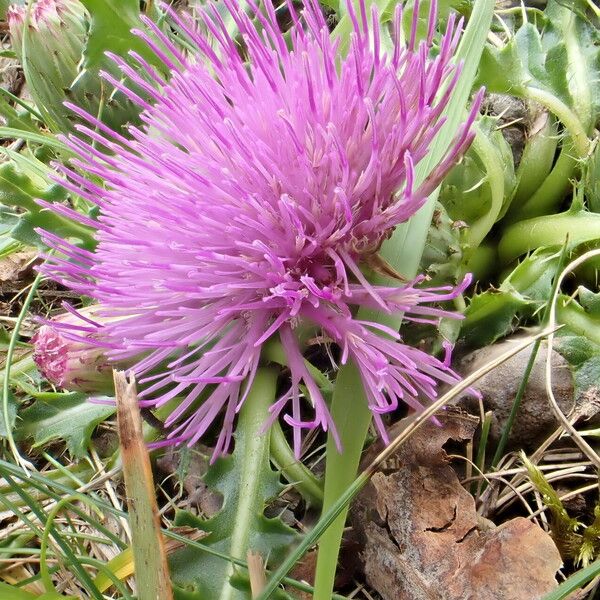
264 174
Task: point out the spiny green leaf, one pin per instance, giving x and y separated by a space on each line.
569 26
110 29
496 312
71 417
524 62
576 349
23 180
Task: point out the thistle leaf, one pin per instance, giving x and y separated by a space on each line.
68 417
23 180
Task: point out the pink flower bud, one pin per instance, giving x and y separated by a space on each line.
66 360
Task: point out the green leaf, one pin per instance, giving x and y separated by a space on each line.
12 416
11 592
443 255
557 67
591 180
23 180
111 22
16 119
494 313
246 482
580 226
589 300
110 29
576 349
72 418
524 62
569 26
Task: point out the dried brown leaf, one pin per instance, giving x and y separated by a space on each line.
423 539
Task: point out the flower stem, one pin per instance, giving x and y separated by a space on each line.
489 156
352 423
568 118
253 414
293 470
552 191
339 506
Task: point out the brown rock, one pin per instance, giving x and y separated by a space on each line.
423 539
535 419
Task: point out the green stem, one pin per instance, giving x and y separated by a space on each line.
481 448
488 155
293 470
7 371
339 506
536 162
352 424
525 236
568 118
273 351
254 413
48 528
514 409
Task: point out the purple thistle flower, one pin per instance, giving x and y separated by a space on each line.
247 201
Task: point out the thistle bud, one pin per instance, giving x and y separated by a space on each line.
67 360
49 39
49 43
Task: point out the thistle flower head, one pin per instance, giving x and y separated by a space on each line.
259 183
46 16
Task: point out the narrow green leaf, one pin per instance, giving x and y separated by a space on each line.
574 582
29 136
24 180
10 592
